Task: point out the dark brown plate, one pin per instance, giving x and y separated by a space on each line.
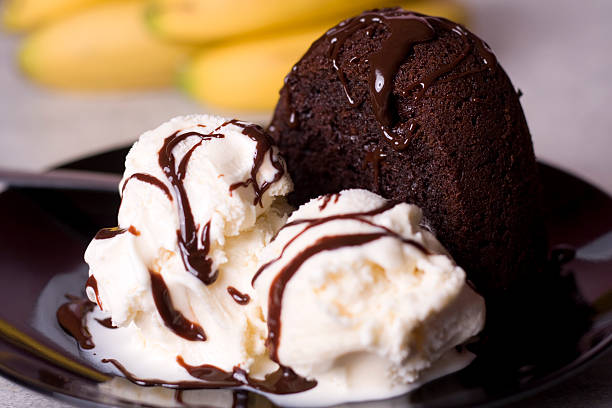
44 234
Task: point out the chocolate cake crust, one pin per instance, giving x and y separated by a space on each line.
445 130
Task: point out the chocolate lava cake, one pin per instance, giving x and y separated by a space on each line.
418 109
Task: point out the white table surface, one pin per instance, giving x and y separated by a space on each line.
559 53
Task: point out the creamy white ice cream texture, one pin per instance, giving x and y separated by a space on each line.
368 320
238 231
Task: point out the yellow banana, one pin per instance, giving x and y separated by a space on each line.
248 75
203 21
245 75
107 46
21 15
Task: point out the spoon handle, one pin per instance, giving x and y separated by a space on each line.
61 179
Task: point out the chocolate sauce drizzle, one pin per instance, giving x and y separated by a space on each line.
327 198
93 283
173 319
282 381
263 146
405 31
108 323
147 178
239 297
149 382
194 252
375 158
488 58
71 316
108 233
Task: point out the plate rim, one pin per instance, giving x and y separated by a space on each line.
576 366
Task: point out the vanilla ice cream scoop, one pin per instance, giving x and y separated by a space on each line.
201 196
359 296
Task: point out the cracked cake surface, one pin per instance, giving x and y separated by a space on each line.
418 109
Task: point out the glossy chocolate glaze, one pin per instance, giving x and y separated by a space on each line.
239 297
374 159
173 318
405 32
406 29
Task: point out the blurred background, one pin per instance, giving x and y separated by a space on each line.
81 76
78 77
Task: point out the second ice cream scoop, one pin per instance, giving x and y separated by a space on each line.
359 296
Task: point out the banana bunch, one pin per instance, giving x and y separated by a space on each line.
230 54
